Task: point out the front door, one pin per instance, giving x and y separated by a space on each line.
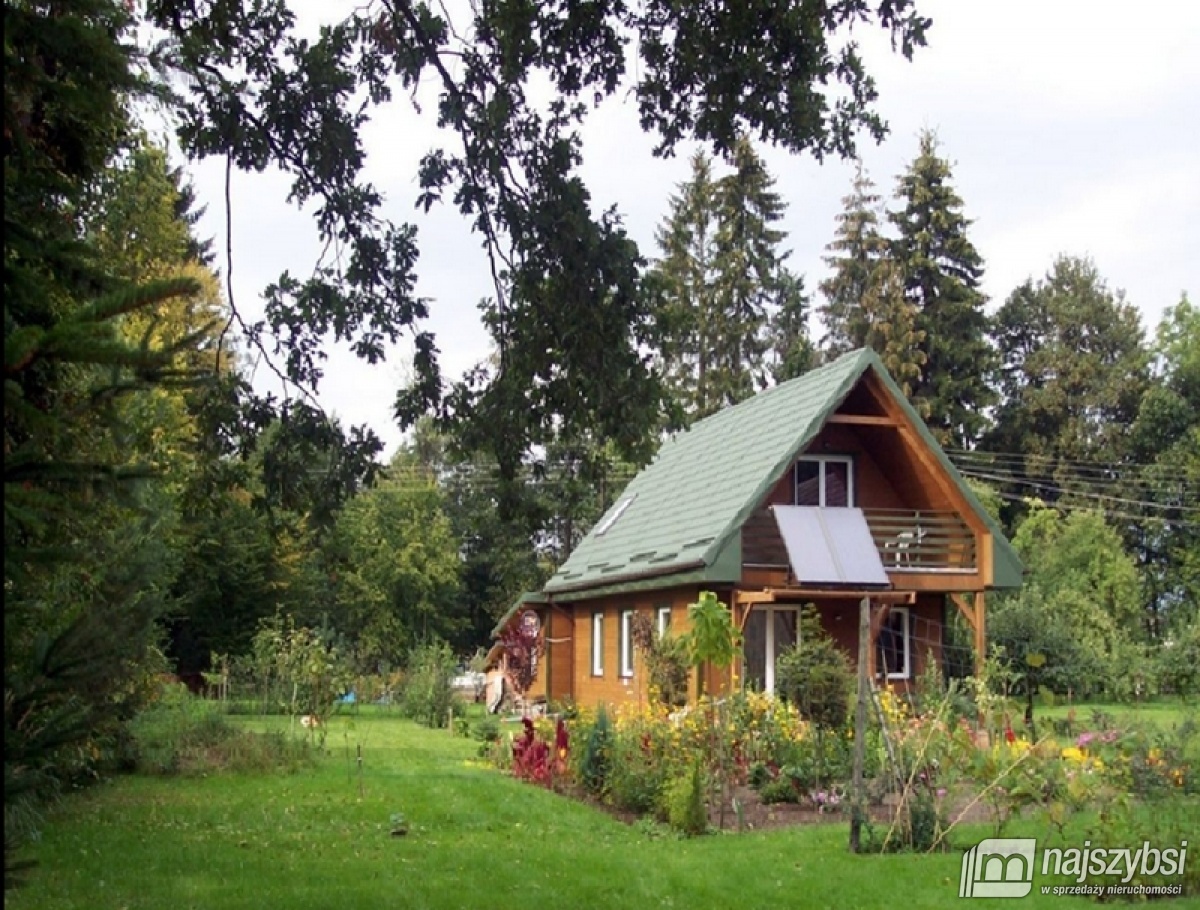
769 631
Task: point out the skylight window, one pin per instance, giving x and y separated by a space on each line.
617 512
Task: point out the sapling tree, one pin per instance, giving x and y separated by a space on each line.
715 641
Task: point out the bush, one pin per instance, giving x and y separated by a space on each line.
428 693
685 803
666 660
183 734
635 780
596 758
815 675
779 790
1179 664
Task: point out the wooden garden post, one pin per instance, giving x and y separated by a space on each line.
860 723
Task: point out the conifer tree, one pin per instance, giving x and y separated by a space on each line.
942 271
865 301
685 273
855 252
792 350
731 315
890 328
1073 367
748 274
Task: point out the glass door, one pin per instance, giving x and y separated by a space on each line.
769 631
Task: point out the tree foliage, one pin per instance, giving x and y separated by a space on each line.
567 310
815 675
1165 437
941 270
730 315
1079 608
1073 367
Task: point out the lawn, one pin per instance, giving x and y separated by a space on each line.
477 839
1164 712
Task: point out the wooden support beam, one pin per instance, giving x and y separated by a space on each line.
790 594
965 609
750 598
869 420
984 557
976 617
980 632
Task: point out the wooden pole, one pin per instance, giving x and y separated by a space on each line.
860 725
980 632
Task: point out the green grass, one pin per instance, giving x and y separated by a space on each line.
321 838
1164 712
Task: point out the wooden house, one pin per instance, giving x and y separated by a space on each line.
824 490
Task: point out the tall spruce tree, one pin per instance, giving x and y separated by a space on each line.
731 315
889 326
748 274
865 300
942 270
687 240
855 252
792 351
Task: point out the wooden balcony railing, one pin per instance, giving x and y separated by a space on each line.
908 540
922 540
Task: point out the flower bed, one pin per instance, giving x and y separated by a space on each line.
751 761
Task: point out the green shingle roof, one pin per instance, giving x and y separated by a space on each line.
684 509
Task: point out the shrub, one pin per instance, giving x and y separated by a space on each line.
487 729
779 790
428 693
183 734
635 778
1179 663
666 660
596 758
815 675
538 760
685 803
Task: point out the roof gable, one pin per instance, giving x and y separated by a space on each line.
680 512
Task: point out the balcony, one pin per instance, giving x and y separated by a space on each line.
908 540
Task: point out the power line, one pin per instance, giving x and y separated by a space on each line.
1051 485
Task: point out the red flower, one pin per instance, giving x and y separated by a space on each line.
1009 736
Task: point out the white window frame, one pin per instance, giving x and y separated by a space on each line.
847 460
770 655
597 644
664 621
906 638
626 650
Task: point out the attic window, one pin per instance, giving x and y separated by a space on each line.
617 512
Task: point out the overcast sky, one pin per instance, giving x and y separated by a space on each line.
1073 127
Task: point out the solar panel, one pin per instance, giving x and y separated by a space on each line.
829 546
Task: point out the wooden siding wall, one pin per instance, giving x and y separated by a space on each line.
840 618
573 659
611 688
560 653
